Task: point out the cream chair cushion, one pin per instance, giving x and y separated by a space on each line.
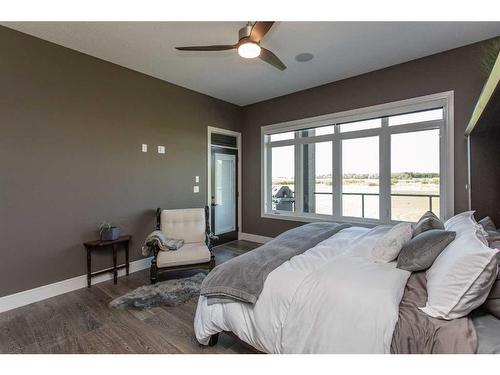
184 224
190 253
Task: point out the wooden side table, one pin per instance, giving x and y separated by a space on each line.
122 241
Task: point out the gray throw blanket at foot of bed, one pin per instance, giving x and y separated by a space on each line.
242 278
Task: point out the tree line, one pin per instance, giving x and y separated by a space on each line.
397 176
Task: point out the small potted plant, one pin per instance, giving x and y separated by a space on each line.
109 232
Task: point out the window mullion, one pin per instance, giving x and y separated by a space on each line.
269 178
337 174
299 176
385 172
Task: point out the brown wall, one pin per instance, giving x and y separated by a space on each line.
485 173
458 70
70 137
72 126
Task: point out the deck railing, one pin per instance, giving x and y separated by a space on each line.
291 201
429 196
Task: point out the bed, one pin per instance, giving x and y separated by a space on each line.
333 298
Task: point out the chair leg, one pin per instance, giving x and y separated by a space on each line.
212 263
213 340
154 272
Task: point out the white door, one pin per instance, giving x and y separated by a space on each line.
225 193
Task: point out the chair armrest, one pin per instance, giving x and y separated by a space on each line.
154 250
158 218
213 237
210 239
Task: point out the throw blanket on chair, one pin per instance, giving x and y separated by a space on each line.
242 278
157 238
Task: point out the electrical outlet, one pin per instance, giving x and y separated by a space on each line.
144 147
197 179
161 149
196 189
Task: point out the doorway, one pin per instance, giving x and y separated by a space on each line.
224 182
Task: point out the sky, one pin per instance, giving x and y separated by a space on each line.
410 152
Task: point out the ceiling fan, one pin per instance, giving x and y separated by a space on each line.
248 44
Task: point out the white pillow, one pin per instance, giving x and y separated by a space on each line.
388 246
462 221
462 275
465 219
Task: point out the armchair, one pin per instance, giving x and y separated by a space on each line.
193 226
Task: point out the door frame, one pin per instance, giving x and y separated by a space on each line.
210 131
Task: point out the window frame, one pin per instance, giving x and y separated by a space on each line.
427 102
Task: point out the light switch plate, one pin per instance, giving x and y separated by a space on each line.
196 189
161 149
144 147
197 179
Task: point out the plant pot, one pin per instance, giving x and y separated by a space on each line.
110 234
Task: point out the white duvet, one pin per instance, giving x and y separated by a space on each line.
333 298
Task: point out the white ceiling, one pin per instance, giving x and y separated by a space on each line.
340 49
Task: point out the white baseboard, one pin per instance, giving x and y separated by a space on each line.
254 237
26 297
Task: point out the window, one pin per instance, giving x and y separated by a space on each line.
414 174
360 125
317 181
360 177
313 132
381 164
410 118
282 136
283 178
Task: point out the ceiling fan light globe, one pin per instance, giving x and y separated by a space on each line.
249 50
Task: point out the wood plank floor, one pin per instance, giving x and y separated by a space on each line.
82 322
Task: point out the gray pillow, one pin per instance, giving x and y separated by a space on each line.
421 251
488 224
492 303
489 227
427 222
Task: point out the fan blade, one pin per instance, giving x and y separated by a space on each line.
260 29
271 58
206 48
